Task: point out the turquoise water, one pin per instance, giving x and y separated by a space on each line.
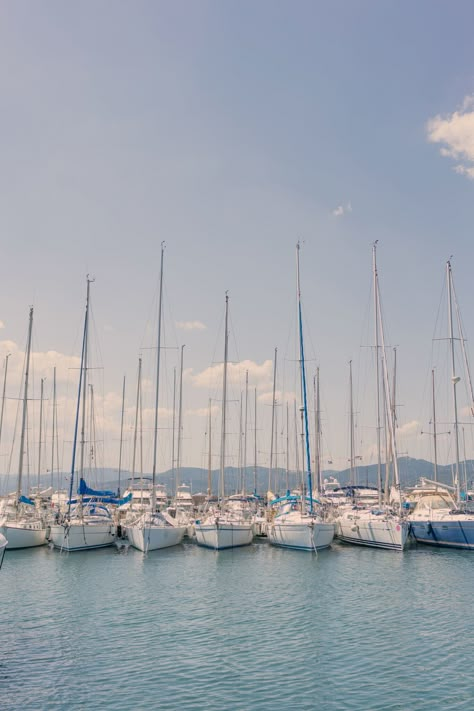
250 628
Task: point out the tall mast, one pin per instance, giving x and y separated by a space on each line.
84 382
287 448
454 379
224 400
435 443
40 432
317 432
157 388
25 405
270 471
121 437
3 394
377 370
173 427
351 426
240 448
463 346
81 378
255 446
135 429
304 414
180 422
53 438
390 403
245 427
209 455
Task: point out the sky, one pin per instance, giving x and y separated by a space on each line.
230 131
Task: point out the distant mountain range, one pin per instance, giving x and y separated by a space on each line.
410 471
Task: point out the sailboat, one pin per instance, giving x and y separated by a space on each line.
379 526
87 523
440 518
154 529
223 526
299 521
20 523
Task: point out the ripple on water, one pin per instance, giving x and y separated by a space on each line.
256 628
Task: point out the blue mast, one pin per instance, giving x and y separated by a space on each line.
303 380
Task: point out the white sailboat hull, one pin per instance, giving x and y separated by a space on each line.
305 535
152 538
78 536
24 535
374 531
223 535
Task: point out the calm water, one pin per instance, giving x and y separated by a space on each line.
254 628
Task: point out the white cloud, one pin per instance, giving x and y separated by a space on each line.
2 325
409 429
260 375
456 134
342 210
191 325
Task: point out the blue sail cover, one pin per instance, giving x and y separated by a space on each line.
84 490
25 500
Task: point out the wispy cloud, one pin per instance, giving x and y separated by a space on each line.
191 325
342 210
455 133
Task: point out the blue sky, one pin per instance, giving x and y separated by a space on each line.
230 130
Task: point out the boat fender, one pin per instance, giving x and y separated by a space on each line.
119 530
429 528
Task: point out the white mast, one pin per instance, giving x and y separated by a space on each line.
25 406
240 448
173 427
135 429
287 447
121 437
84 380
390 406
180 422
351 426
454 379
255 447
3 393
224 402
245 427
270 471
317 433
53 439
435 443
377 370
209 455
40 432
157 387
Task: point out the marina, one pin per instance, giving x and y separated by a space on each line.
236 391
